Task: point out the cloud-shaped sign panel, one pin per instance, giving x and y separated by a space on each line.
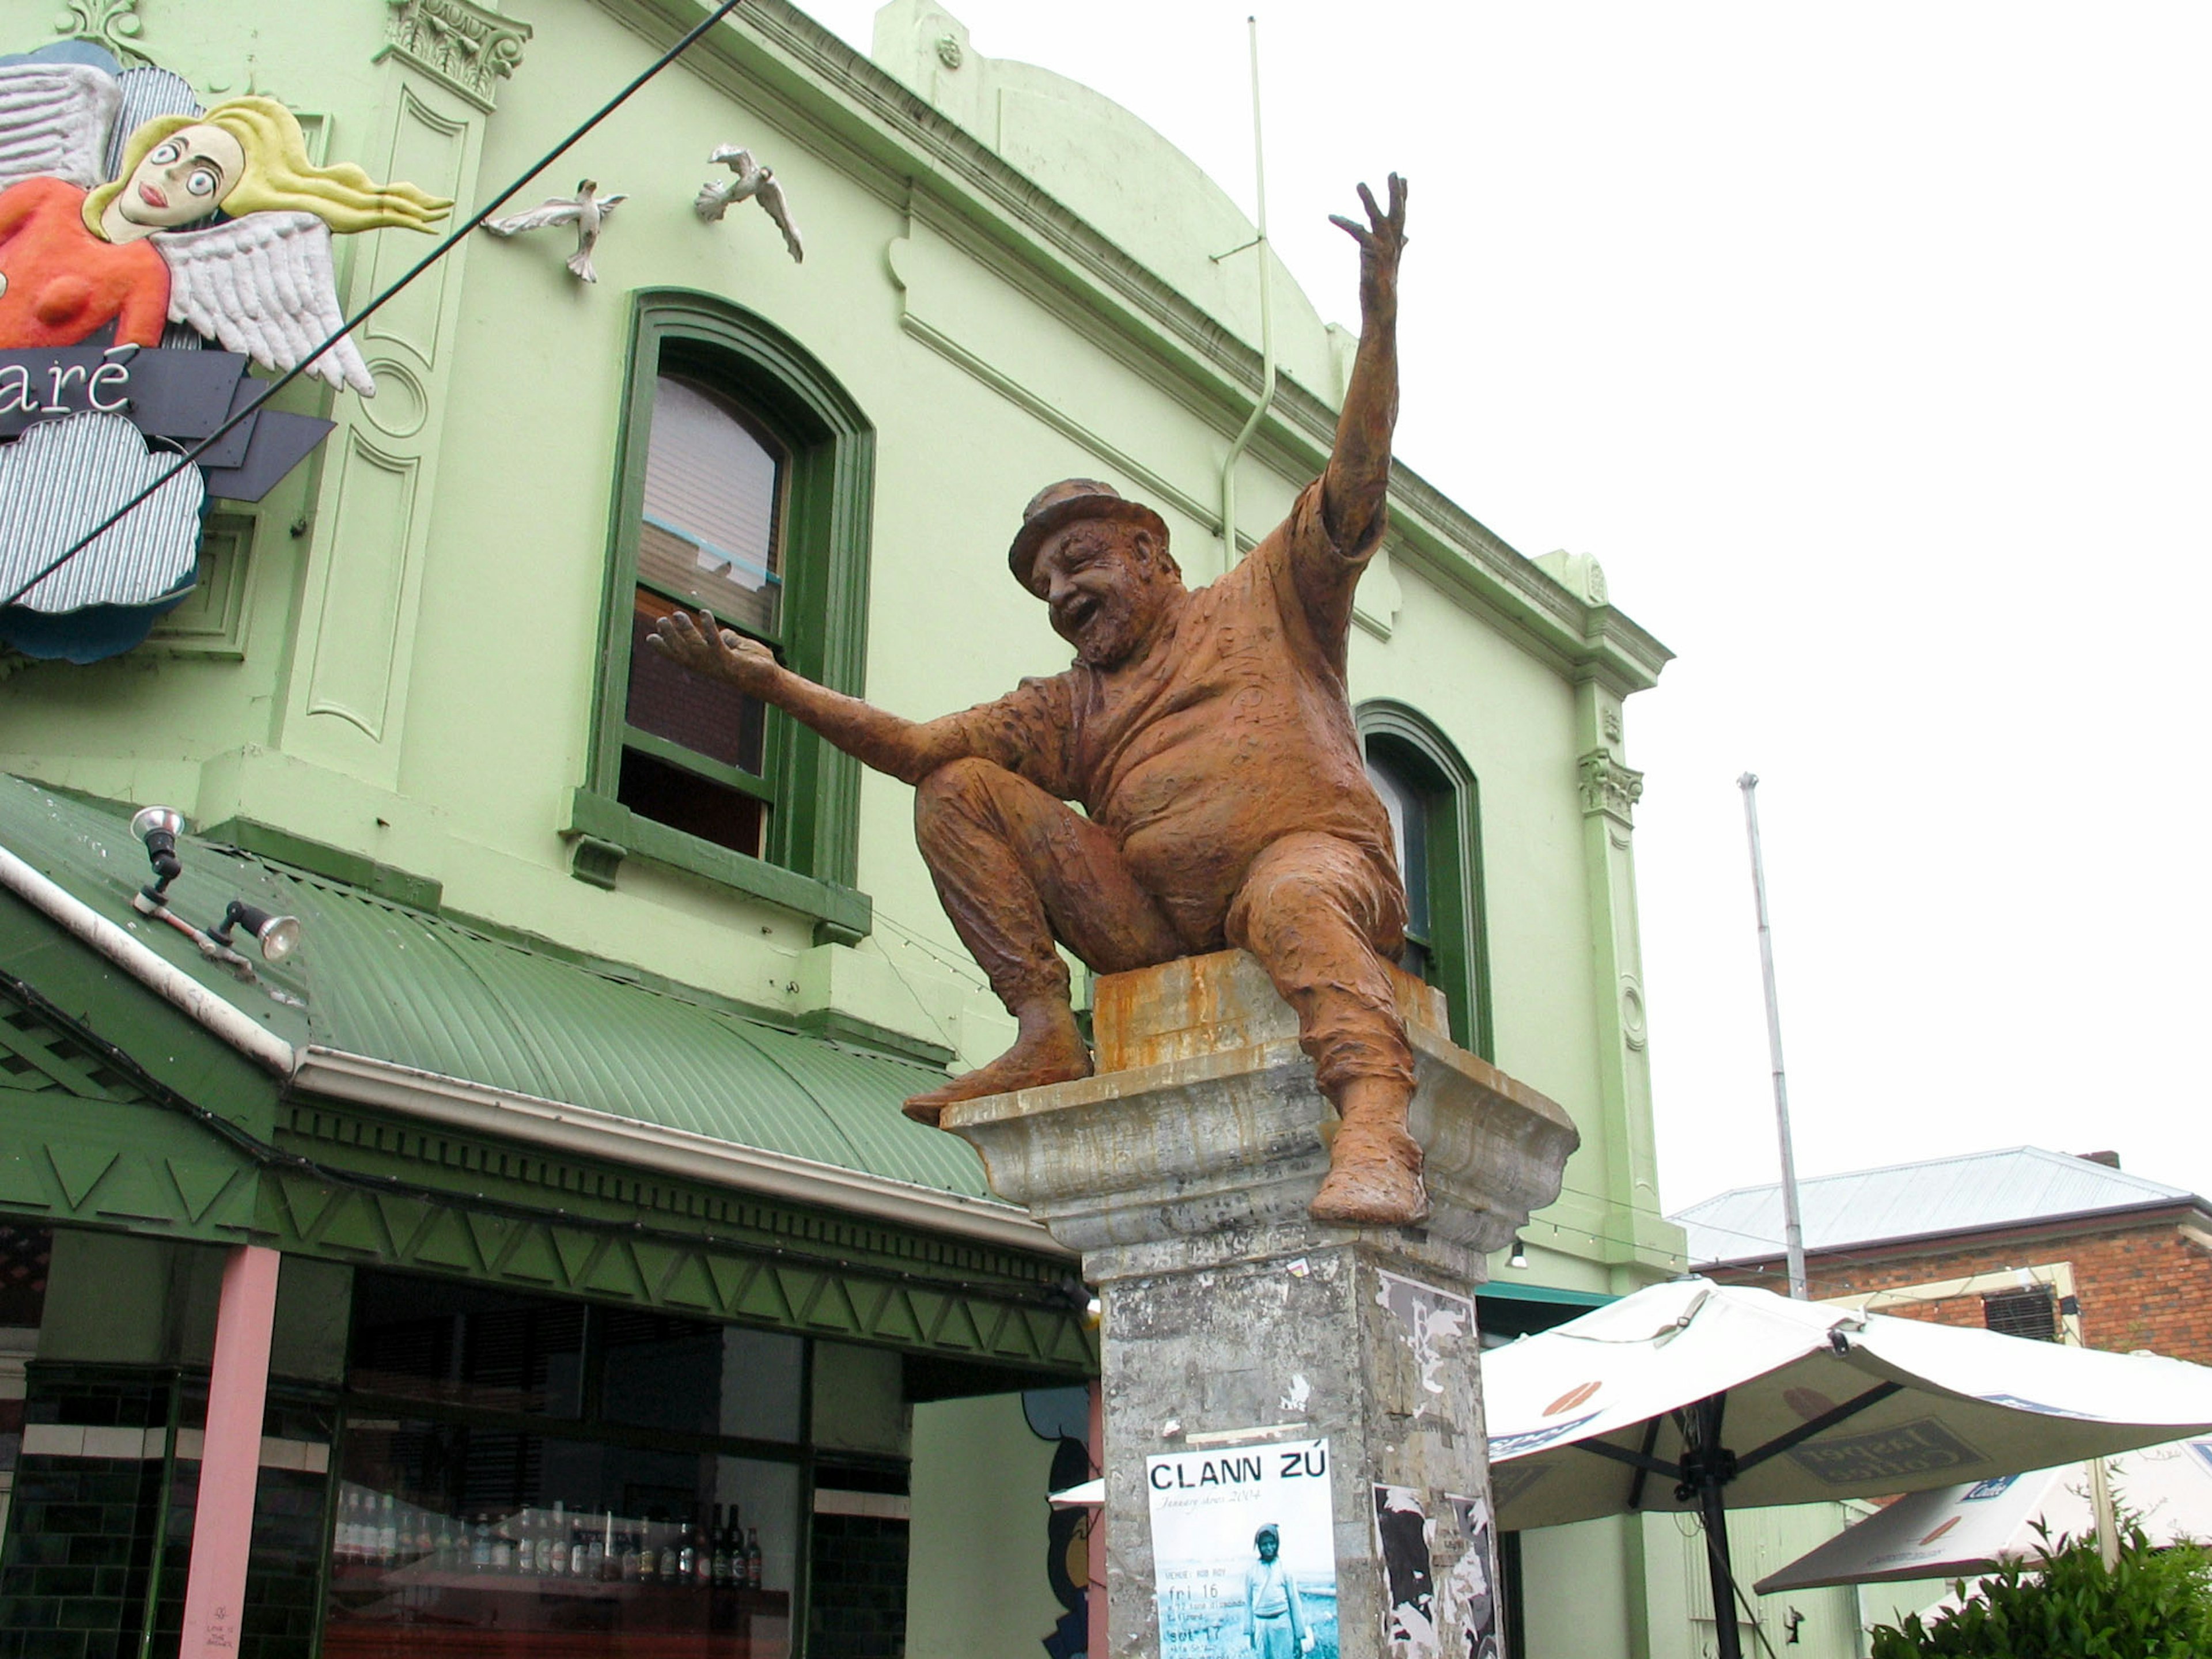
61 478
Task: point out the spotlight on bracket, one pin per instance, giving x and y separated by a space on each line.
158 827
1520 1256
279 936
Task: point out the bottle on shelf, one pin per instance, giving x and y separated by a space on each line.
753 1564
387 1533
502 1546
552 1539
687 1553
345 1541
630 1560
597 1559
480 1544
664 1566
580 1547
426 1538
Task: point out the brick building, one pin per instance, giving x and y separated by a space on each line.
2034 1242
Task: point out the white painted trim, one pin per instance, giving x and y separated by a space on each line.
589 1132
133 955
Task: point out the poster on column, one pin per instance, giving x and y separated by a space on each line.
1244 1552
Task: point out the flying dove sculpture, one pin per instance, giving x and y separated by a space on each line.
749 181
586 210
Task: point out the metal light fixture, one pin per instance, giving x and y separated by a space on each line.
1520 1256
278 936
159 828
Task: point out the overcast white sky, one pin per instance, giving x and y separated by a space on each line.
1868 347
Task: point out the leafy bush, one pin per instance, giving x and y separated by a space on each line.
2062 1604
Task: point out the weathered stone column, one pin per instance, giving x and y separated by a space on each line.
1234 1324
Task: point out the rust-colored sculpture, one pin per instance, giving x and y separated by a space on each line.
1210 740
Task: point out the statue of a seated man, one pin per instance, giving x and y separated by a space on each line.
1210 740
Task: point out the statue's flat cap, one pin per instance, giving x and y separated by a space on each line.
1070 502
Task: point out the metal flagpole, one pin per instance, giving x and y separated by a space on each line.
1793 1235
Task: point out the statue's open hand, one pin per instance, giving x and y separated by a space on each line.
1382 240
705 647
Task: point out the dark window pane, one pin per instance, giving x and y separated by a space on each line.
684 800
714 507
2030 1313
703 715
664 1373
452 1538
428 1339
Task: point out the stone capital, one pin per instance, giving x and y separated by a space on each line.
1209 1137
460 45
1609 788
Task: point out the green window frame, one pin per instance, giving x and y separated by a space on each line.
1411 748
809 855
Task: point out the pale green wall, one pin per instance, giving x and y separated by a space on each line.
975 1585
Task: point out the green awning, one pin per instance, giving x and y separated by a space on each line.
377 979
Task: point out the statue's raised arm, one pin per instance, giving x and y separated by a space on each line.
1358 474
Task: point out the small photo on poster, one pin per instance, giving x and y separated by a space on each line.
1244 1553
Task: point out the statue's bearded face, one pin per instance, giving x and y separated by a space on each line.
1107 584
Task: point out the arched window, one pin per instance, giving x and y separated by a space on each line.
743 490
1430 793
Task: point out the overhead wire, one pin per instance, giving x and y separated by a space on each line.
191 456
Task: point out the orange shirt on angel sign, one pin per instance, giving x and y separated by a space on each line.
59 283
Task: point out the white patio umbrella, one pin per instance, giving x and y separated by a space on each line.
1693 1396
1956 1532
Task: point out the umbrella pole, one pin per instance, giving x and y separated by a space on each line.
1714 1516
1707 1467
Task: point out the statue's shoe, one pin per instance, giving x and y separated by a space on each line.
1019 1067
1374 1179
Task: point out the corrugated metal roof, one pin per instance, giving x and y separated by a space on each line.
375 978
2004 1187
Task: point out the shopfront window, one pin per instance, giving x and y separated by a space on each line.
663 1516
453 1539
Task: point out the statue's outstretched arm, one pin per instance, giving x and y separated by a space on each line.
1359 476
908 749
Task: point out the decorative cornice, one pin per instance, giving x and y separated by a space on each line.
114 24
457 43
1609 788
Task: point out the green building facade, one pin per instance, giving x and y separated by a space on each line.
573 1113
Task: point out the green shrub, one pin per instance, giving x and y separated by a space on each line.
2062 1604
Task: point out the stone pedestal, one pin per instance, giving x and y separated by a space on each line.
1234 1324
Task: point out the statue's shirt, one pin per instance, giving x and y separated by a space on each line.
1232 732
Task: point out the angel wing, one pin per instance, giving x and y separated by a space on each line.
55 118
263 285
559 211
770 196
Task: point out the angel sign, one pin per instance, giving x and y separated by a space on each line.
178 227
80 256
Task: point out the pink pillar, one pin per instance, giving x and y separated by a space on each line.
1095 1601
222 1523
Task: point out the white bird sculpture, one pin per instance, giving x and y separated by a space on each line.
753 182
586 210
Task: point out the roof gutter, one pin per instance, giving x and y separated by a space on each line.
586 1131
135 957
